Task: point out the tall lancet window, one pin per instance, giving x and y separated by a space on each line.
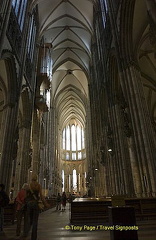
19 7
31 36
104 10
73 142
79 138
62 180
68 138
74 181
73 134
64 139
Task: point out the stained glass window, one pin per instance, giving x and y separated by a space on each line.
73 141
19 7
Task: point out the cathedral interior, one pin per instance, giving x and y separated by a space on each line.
78 96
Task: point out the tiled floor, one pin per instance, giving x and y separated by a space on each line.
54 226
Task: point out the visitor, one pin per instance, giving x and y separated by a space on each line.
21 208
70 198
64 199
4 201
58 202
33 194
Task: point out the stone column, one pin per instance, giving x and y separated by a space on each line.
143 132
65 183
124 181
23 158
36 142
84 179
71 182
131 82
8 126
77 182
135 169
5 14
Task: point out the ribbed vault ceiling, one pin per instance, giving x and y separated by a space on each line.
67 24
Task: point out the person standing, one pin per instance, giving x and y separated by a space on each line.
21 207
4 201
58 202
33 194
64 199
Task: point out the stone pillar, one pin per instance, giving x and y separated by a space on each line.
135 169
23 158
142 127
81 189
8 127
84 179
124 180
36 142
71 182
5 10
77 182
67 182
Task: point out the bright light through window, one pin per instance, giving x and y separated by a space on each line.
74 181
73 142
68 138
73 132
79 142
63 180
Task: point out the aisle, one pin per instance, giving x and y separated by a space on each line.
57 224
52 226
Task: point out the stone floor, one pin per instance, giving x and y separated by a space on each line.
54 225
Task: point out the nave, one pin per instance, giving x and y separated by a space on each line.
52 226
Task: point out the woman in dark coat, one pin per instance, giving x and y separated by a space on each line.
64 199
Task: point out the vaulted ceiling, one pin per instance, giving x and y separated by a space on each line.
68 25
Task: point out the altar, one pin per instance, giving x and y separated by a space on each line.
89 210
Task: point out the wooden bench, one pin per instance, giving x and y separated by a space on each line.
87 210
10 211
95 210
144 207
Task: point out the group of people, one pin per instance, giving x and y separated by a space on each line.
27 206
61 200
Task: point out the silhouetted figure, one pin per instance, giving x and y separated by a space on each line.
4 201
64 199
58 202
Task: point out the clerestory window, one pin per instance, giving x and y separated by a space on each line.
19 7
31 36
104 10
73 142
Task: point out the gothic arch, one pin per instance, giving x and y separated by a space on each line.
11 81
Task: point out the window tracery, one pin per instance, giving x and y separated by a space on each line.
73 142
19 7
